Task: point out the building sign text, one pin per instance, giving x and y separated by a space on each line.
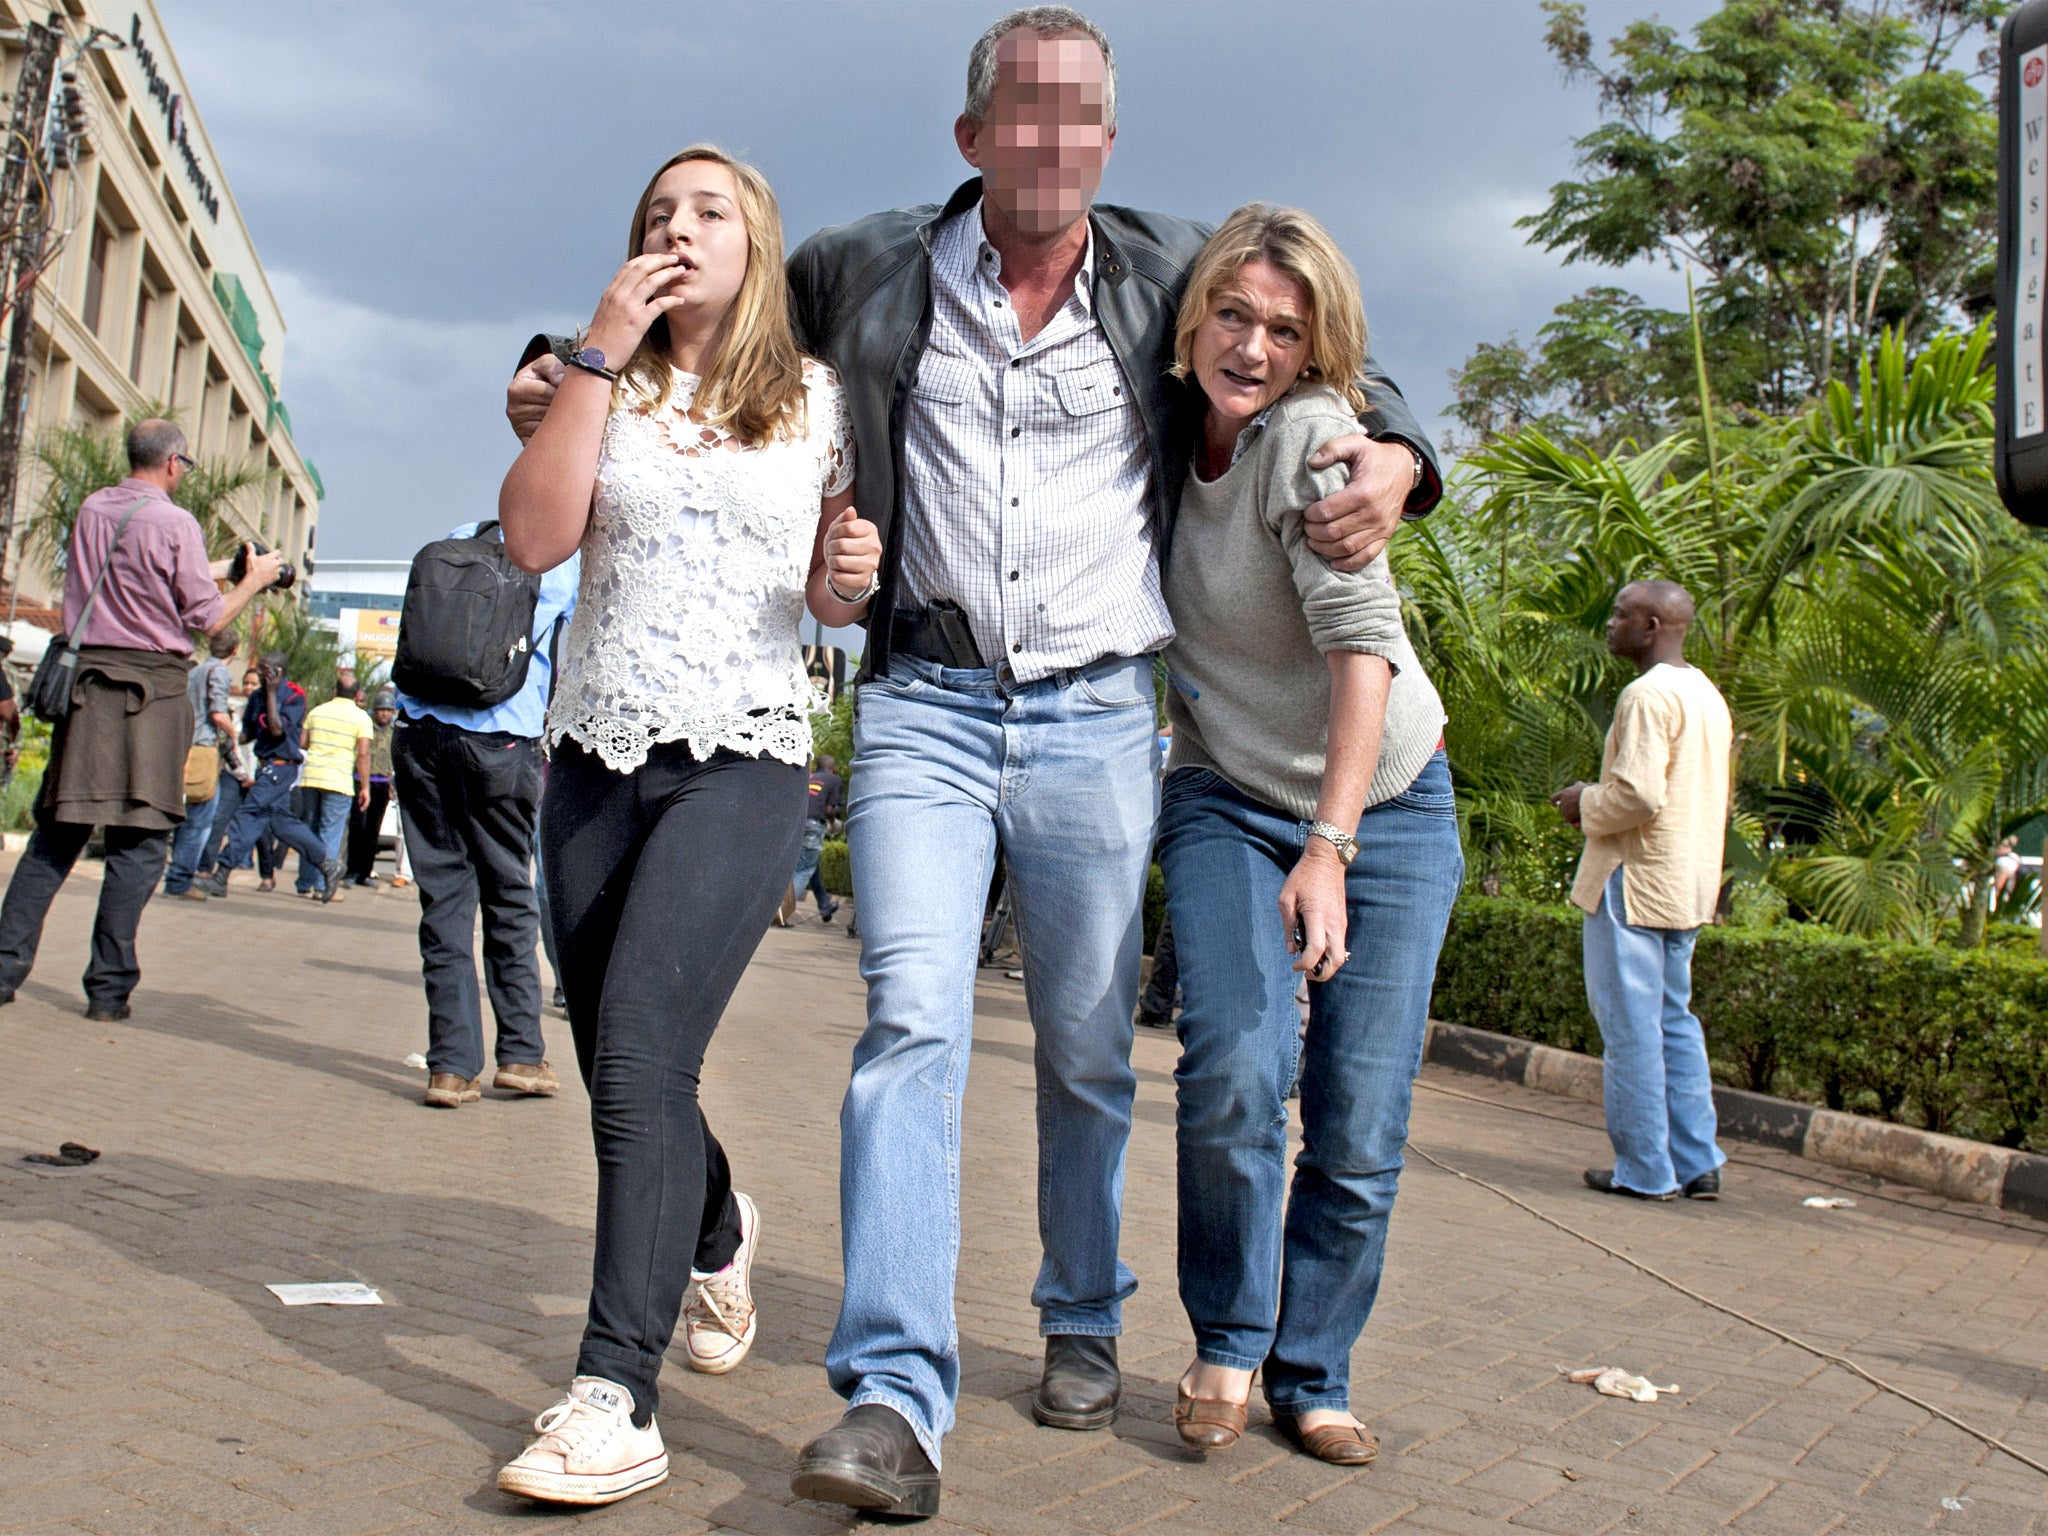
173 107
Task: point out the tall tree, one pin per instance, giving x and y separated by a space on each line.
1829 168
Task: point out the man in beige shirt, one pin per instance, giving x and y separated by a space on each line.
1650 876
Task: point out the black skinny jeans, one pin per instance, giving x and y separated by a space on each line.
662 882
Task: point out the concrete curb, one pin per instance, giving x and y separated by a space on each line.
1947 1165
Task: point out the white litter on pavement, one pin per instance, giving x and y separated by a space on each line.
327 1293
416 1061
1954 1503
1828 1203
1613 1381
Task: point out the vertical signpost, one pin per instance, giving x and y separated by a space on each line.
2021 465
2022 458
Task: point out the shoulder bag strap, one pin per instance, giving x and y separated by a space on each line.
92 597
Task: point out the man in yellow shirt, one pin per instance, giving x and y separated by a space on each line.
337 738
1655 827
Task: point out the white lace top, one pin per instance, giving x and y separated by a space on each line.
686 624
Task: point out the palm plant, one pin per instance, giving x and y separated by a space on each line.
1871 614
1925 734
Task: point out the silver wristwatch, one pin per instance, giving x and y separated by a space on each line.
874 585
1345 844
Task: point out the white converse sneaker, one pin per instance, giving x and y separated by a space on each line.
719 1324
588 1451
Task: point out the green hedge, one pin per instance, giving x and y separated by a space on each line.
833 866
1952 1040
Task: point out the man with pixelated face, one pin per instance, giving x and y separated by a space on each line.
1041 162
1021 447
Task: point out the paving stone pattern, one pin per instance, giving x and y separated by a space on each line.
259 1126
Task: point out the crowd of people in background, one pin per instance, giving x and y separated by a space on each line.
338 797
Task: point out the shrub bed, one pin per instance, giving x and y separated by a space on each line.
832 865
1949 1040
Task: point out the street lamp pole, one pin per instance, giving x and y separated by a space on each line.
24 217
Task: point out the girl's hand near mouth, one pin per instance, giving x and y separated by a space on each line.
645 289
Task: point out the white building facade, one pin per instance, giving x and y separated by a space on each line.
157 293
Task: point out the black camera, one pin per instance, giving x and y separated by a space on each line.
286 578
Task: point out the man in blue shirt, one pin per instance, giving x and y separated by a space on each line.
272 722
468 785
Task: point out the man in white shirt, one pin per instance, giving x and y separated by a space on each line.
1655 825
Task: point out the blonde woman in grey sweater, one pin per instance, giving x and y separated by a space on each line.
1306 825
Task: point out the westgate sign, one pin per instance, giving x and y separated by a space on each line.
173 107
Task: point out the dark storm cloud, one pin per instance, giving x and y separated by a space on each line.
428 184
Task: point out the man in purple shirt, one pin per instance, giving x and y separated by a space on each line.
118 759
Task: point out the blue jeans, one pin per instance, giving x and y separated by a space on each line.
1659 1091
227 804
1294 1297
327 814
807 876
1063 771
188 840
267 807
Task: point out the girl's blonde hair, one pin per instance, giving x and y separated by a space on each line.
1299 246
753 383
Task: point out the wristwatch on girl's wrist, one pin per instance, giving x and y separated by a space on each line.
590 360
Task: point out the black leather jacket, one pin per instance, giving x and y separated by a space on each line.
861 299
861 296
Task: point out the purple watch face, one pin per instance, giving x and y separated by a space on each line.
590 357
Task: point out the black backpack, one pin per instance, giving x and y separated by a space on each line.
465 635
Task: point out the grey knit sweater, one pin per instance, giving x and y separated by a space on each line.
1255 610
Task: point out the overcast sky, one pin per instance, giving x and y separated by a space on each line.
429 184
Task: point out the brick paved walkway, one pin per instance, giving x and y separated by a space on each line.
148 1383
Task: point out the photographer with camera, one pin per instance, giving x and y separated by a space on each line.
137 561
287 575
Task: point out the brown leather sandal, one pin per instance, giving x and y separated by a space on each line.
1341 1445
1207 1423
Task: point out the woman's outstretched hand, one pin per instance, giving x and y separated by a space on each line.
1312 908
853 553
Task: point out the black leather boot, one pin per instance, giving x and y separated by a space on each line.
870 1460
1081 1383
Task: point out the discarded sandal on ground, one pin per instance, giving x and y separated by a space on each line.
1341 1445
1207 1423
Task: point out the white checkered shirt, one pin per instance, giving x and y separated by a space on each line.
1026 474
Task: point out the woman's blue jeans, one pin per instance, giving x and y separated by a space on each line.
1294 1295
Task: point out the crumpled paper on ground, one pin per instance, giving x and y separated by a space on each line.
1613 1381
327 1293
1828 1203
